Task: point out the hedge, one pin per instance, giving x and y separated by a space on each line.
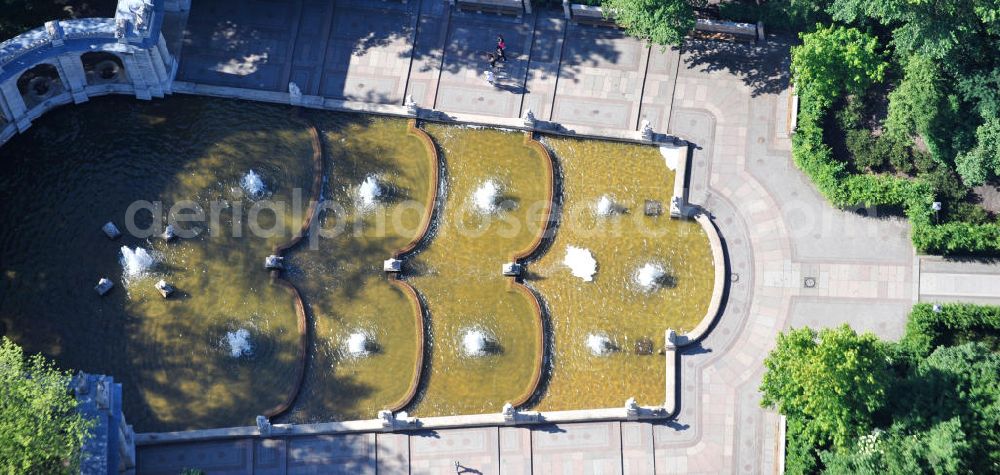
954 324
844 189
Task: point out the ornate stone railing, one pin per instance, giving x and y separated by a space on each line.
133 36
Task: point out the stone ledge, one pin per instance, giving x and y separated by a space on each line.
524 418
718 286
511 123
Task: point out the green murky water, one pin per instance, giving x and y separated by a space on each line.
341 275
82 166
183 362
614 305
459 273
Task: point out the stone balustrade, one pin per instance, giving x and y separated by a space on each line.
69 61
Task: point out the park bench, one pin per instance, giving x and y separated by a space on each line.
500 7
739 31
588 14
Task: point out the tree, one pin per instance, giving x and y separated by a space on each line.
942 450
828 384
938 29
920 105
960 382
662 22
836 60
982 163
40 430
946 416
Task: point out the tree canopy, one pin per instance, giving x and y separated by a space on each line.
661 22
828 383
40 430
836 60
927 404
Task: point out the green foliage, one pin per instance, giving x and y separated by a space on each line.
968 213
843 189
781 15
41 430
862 146
958 382
953 325
937 29
661 22
836 60
944 183
949 97
983 162
828 383
940 384
941 449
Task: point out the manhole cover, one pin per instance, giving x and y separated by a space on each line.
809 282
734 277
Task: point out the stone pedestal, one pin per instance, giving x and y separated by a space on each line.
110 447
294 94
512 269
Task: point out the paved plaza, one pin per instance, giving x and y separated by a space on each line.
793 259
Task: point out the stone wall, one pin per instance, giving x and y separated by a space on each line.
55 64
110 449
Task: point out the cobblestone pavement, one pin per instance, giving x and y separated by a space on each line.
793 259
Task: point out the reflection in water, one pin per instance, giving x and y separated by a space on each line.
364 329
222 348
80 167
459 272
655 273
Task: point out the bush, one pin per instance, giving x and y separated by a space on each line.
897 152
836 60
953 325
843 189
968 213
864 148
42 432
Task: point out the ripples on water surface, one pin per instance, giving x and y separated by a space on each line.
223 348
81 166
629 248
